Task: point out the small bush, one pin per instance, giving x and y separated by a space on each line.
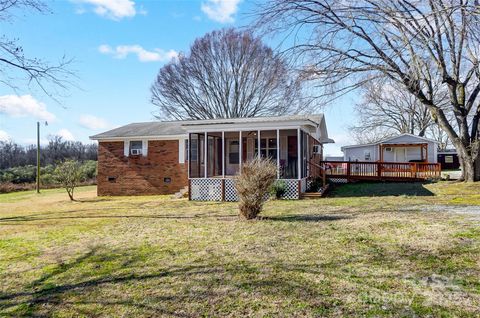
69 175
253 184
7 187
315 185
278 189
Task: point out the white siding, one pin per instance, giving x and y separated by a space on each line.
358 153
412 153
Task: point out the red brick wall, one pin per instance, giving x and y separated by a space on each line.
142 174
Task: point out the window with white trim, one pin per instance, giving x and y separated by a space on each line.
367 155
136 147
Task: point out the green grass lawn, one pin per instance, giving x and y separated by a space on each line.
351 254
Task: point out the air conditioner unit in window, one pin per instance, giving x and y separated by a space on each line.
317 149
389 149
136 152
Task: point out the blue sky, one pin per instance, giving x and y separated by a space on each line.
118 47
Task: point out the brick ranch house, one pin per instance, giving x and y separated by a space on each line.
164 157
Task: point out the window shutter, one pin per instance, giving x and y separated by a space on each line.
144 148
181 150
126 145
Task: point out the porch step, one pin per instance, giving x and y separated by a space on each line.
311 195
315 195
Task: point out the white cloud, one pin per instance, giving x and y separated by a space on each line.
93 122
24 106
111 9
65 134
222 11
122 51
4 136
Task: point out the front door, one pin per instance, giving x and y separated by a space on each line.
400 155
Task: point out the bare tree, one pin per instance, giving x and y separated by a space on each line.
387 109
226 74
18 69
414 42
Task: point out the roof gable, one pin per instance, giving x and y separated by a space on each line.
407 135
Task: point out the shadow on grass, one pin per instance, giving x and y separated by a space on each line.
78 283
380 189
307 218
41 217
129 282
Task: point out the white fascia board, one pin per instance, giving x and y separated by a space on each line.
247 126
358 146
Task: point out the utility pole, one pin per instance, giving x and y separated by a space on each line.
38 157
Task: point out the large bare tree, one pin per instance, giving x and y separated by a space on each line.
387 109
226 74
18 70
415 43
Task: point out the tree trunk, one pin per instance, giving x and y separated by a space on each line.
470 166
469 158
70 193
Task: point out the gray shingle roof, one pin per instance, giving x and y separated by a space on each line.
143 130
171 128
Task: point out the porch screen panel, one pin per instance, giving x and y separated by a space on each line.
232 153
196 155
288 154
214 154
249 145
268 144
304 153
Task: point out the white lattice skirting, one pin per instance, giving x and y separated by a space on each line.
291 192
231 194
206 189
337 180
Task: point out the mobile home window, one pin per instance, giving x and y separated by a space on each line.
367 155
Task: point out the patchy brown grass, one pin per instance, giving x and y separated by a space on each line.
153 256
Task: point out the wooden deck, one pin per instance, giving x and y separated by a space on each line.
381 171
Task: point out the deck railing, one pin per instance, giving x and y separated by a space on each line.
361 170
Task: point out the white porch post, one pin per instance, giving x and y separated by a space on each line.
223 154
258 148
240 146
299 175
205 154
278 154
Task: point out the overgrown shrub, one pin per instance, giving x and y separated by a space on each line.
27 174
253 184
278 189
89 170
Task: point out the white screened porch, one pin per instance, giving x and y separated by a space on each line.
215 156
